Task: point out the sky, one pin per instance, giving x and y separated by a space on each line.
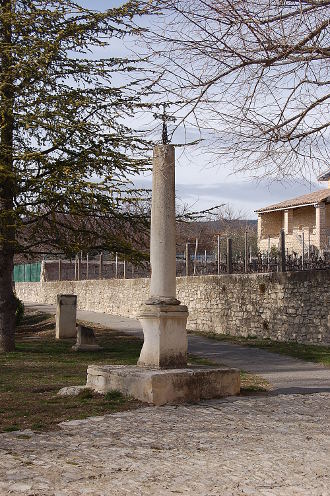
201 186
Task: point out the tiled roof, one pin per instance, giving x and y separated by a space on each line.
309 199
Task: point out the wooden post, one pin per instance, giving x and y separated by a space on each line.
218 237
101 266
282 267
75 268
124 266
187 259
78 268
268 254
229 256
246 252
60 269
195 255
303 250
87 266
309 244
116 265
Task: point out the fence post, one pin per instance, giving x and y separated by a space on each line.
60 269
101 266
187 259
116 265
218 252
78 268
87 266
303 250
246 252
195 255
309 244
124 268
229 256
75 268
282 252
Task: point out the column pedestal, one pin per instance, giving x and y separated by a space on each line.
165 336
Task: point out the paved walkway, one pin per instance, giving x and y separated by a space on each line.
286 374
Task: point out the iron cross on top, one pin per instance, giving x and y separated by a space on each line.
165 118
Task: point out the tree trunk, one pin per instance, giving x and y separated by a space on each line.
7 304
7 184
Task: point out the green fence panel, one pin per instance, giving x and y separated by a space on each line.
19 273
35 271
27 272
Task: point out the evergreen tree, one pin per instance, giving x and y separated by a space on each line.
65 151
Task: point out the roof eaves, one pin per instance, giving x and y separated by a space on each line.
324 177
288 207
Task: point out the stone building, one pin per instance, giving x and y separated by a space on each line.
305 220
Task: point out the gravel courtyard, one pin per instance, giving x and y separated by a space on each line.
260 445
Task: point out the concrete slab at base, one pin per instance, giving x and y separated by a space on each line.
160 387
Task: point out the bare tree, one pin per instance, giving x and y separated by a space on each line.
252 75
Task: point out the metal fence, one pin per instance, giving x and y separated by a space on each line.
223 259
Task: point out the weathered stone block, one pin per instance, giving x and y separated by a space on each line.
66 315
160 387
86 340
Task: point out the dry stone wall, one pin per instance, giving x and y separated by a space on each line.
289 306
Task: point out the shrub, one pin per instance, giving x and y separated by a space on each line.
19 311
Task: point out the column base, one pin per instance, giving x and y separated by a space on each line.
165 336
161 387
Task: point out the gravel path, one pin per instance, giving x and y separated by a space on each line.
286 374
257 446
275 445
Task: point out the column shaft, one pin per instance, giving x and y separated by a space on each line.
162 243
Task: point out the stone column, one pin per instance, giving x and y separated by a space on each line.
288 221
260 227
43 272
321 232
163 318
162 242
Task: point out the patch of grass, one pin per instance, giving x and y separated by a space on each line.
114 396
11 428
37 426
311 353
197 360
251 383
86 394
31 376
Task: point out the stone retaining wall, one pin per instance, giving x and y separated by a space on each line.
289 306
